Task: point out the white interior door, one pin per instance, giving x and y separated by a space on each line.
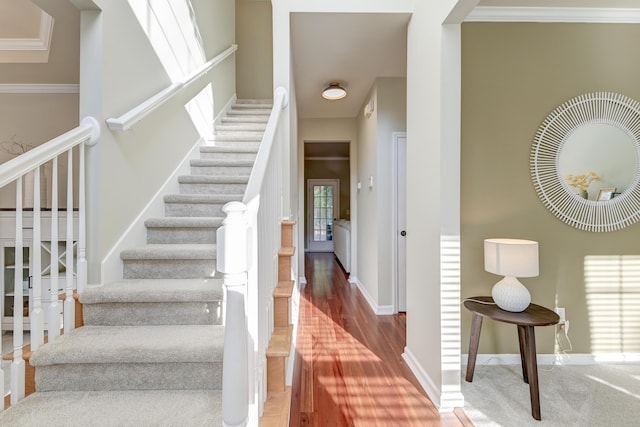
323 197
401 221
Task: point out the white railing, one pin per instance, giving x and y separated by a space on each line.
136 114
28 167
248 244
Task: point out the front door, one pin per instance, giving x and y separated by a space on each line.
322 208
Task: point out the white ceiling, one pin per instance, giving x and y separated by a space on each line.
354 49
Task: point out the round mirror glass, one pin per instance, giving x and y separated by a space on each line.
604 154
585 162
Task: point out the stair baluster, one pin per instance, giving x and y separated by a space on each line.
17 366
232 262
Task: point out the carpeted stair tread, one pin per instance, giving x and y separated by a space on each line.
133 344
202 198
221 162
213 179
184 222
245 119
122 408
170 252
236 149
154 290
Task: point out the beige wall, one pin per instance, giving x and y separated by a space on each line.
514 75
331 169
254 57
32 119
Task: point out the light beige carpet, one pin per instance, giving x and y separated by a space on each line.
576 395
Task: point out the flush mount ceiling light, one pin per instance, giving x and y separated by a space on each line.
334 92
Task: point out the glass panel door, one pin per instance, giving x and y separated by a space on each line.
323 200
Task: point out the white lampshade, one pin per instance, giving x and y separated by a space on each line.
511 258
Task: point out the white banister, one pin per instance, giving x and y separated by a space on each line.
232 262
36 315
53 310
17 365
136 114
29 164
280 101
88 132
255 235
69 301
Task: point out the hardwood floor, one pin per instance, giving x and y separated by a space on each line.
348 369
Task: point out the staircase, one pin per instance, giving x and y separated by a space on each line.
150 350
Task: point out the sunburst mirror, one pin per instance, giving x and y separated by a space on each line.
585 162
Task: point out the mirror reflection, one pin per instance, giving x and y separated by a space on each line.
598 158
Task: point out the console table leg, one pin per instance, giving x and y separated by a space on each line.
523 360
474 340
532 370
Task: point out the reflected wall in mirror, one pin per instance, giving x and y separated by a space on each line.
603 149
588 144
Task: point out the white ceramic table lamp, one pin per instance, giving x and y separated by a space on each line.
511 258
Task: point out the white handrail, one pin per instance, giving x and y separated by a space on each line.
280 101
89 131
137 113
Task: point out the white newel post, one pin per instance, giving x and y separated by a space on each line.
231 242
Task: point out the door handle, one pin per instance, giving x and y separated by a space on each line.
403 233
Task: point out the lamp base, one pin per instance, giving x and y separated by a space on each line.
511 295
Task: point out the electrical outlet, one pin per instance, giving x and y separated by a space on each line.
560 312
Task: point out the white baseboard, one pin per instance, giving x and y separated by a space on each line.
444 401
557 359
136 233
303 281
379 310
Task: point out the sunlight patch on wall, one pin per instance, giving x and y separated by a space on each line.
612 284
200 109
173 32
450 301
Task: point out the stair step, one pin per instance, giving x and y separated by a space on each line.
170 261
250 111
167 357
276 409
197 205
277 353
230 152
241 127
280 344
221 166
117 408
245 119
252 105
254 101
281 296
154 302
213 184
284 289
182 229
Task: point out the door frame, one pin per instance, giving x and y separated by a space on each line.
336 206
396 136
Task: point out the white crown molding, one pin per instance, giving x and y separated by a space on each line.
38 88
554 14
29 50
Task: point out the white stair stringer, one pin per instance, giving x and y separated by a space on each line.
150 351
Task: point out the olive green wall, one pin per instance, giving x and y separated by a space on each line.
513 76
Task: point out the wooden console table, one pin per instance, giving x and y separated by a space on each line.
534 315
